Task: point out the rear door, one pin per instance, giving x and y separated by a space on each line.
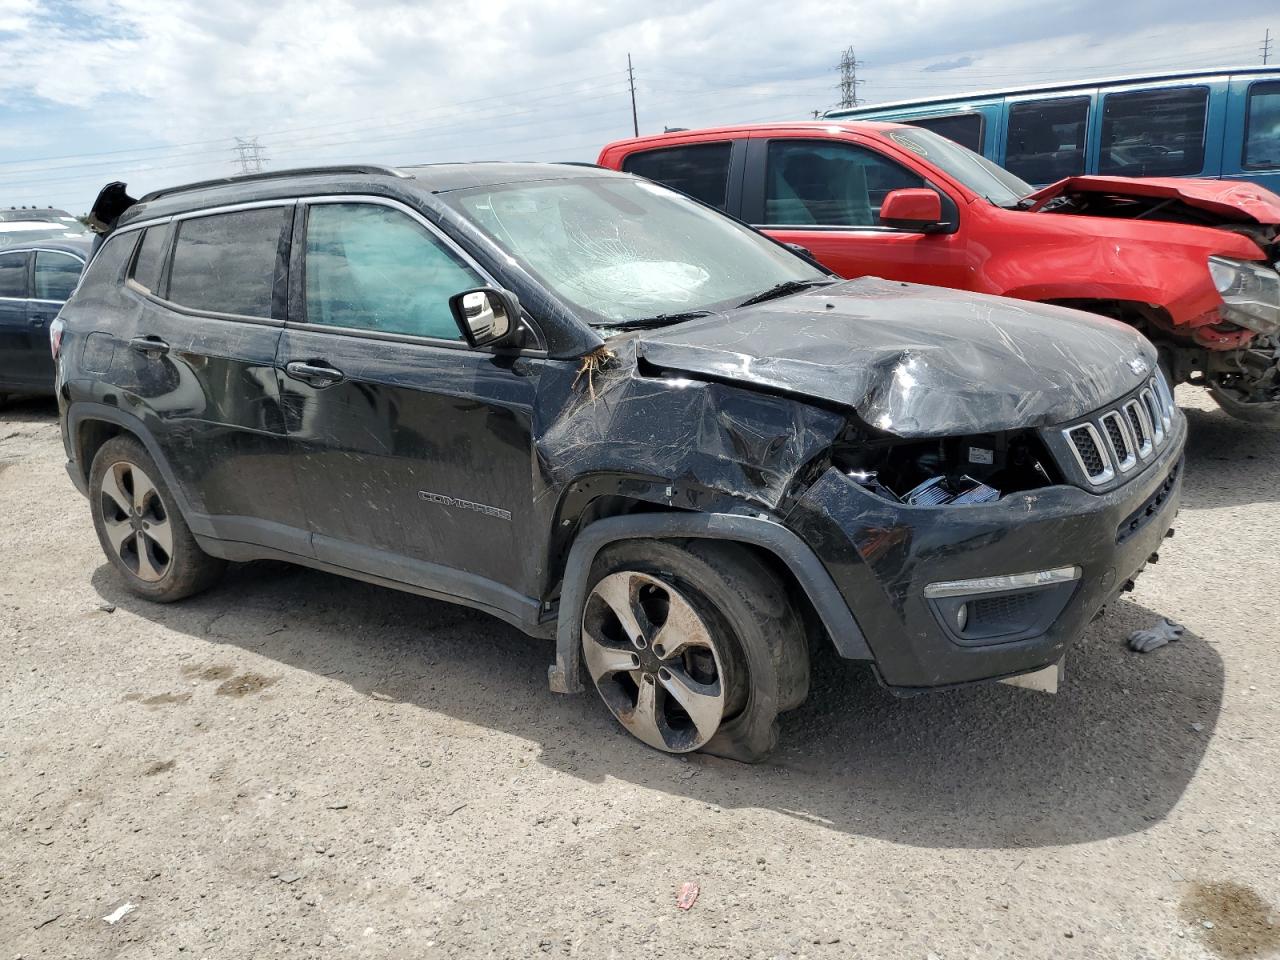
15 281
825 195
710 172
198 362
55 274
414 453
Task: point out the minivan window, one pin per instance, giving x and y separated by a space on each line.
975 171
146 266
964 128
1154 133
1045 142
226 262
370 267
623 250
56 275
13 275
1262 127
827 183
701 170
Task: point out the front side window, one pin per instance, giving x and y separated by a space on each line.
226 262
56 275
1154 133
701 171
826 183
1046 139
964 128
623 250
1262 127
370 267
13 275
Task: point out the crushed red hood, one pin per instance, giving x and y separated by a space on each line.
1230 199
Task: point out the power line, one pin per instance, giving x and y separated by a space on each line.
849 81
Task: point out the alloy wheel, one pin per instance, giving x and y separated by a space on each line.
135 521
654 660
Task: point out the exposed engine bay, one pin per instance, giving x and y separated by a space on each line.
948 471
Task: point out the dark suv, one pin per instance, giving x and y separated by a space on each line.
611 415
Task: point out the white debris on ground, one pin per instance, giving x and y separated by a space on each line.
1153 638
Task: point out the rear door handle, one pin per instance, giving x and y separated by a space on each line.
314 374
153 347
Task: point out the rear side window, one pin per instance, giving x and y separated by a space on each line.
964 128
146 266
369 267
13 275
1046 139
56 275
226 262
1154 133
1262 127
824 183
701 170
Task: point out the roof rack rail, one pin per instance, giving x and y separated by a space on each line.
276 174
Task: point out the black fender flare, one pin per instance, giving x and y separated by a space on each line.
564 675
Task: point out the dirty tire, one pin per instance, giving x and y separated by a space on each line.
758 637
1264 413
163 562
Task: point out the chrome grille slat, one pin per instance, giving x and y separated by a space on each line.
1123 436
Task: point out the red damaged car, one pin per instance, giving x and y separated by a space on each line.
1192 263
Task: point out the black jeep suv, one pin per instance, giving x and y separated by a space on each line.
608 414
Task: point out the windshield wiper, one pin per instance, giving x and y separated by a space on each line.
661 320
785 288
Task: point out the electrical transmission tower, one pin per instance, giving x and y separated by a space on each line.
849 81
1266 47
249 155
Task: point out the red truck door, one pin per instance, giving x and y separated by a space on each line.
824 193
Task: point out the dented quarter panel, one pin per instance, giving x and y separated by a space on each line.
915 361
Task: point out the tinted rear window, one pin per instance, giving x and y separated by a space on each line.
1262 129
13 275
701 171
964 128
1154 133
56 275
226 262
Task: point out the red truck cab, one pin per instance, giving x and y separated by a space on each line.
1192 263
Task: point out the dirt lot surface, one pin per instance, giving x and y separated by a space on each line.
297 765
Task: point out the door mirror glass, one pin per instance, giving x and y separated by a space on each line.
486 317
915 209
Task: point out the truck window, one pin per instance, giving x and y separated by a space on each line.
1154 133
824 183
1046 139
1262 127
964 128
226 262
701 170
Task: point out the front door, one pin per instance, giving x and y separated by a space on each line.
413 452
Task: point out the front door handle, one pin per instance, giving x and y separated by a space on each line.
153 347
315 374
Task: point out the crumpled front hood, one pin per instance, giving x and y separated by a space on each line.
1232 199
913 360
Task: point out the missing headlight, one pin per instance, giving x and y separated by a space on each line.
952 470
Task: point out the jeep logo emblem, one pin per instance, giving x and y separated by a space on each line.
1139 366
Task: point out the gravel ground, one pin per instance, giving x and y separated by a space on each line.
299 765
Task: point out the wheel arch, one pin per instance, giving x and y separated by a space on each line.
812 580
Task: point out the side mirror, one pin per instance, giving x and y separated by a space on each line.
487 317
917 208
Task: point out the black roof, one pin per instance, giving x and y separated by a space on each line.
393 181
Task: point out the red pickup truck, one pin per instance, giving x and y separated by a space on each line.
1192 263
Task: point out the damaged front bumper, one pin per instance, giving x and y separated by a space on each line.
923 582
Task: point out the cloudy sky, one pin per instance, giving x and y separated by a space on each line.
155 92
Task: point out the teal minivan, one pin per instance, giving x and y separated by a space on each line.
1220 124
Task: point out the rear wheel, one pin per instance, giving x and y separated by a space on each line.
140 527
693 645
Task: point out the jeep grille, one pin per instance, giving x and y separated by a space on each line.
1117 439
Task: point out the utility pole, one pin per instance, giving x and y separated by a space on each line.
249 154
1266 47
631 76
849 81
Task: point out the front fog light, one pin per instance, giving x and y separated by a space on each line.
987 610
962 617
1016 581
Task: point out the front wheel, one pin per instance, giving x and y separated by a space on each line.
1245 405
693 645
